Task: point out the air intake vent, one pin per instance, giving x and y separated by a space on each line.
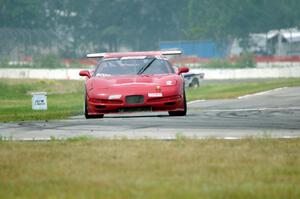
135 99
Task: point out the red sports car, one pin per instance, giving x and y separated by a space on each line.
134 81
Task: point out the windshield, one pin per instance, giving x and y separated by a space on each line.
133 67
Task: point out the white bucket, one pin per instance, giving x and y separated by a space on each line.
39 101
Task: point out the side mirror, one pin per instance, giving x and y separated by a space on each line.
183 70
85 73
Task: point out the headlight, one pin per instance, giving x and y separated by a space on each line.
114 97
171 82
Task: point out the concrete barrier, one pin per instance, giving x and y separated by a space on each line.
249 73
283 72
40 73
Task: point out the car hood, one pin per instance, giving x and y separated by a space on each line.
132 80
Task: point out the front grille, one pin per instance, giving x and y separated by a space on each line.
159 99
135 109
135 99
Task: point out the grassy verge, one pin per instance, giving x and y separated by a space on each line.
235 89
65 98
263 168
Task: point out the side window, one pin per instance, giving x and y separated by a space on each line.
175 69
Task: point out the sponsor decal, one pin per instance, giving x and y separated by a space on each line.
155 94
169 83
158 89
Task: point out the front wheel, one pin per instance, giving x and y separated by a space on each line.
180 113
195 83
86 112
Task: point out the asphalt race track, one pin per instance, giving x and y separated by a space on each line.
273 114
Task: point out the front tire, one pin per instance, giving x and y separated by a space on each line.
180 113
86 112
195 83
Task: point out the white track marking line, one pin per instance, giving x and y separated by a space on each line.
230 138
254 109
168 138
244 96
196 101
260 93
288 137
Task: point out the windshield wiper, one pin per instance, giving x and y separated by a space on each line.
146 66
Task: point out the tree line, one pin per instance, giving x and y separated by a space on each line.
97 25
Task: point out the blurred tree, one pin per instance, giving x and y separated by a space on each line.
220 20
95 25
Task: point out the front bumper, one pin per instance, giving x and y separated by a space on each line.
171 100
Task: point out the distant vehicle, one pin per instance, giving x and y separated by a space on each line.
193 80
134 81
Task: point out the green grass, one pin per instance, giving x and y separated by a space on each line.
238 88
240 169
65 98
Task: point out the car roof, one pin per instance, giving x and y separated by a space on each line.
133 54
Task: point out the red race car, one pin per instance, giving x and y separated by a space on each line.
134 81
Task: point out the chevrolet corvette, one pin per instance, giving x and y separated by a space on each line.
132 82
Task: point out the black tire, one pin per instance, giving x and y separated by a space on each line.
195 83
95 116
180 113
86 113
